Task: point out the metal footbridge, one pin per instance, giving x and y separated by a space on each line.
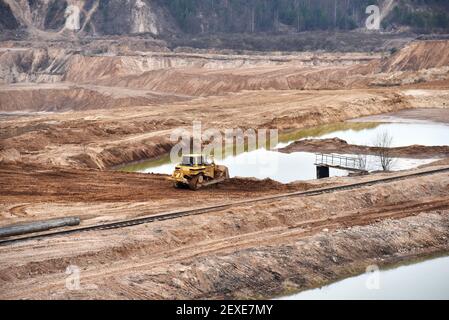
325 161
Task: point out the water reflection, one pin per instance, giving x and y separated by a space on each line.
287 168
424 280
404 134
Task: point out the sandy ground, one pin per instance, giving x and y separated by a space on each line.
34 193
259 249
123 109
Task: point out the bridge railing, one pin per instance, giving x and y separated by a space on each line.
334 160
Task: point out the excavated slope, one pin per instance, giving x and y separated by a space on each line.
419 55
208 74
60 97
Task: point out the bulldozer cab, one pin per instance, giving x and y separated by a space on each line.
199 162
194 160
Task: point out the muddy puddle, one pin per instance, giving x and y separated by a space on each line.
285 168
424 280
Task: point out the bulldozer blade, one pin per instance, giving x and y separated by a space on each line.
215 181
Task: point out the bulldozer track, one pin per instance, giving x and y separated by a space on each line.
197 211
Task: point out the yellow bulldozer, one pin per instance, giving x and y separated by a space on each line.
196 171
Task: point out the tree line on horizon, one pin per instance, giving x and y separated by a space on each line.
246 16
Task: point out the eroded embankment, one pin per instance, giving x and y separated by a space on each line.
81 66
69 97
299 265
251 250
340 146
174 75
214 74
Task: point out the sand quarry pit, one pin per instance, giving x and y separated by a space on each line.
64 130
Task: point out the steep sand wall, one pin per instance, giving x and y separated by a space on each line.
70 97
213 74
419 55
33 65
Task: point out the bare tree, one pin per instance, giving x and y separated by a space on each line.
361 162
383 150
